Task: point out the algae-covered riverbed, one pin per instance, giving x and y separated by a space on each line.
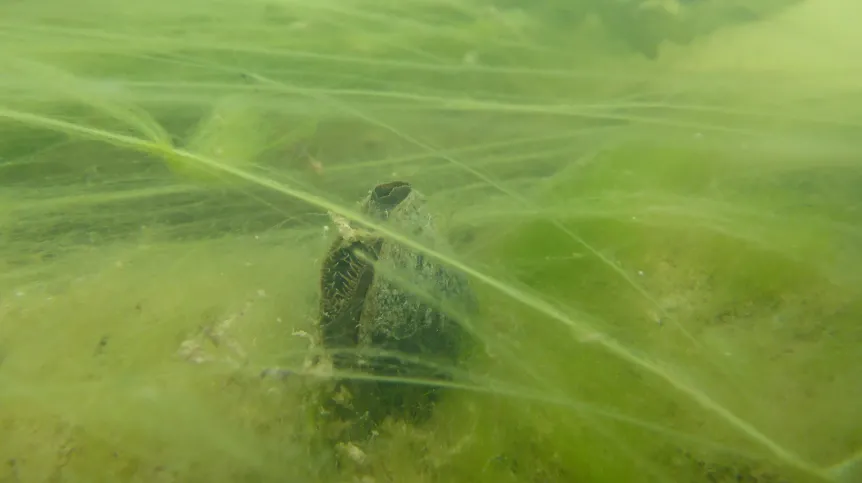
656 206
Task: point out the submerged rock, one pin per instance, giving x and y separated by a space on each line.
389 314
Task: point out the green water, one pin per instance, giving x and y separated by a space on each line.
655 203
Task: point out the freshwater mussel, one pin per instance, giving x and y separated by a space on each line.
391 318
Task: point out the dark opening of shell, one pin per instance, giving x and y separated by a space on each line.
344 282
389 195
364 311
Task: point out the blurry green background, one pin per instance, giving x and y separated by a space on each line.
657 202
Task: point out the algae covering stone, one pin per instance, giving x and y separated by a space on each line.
389 314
